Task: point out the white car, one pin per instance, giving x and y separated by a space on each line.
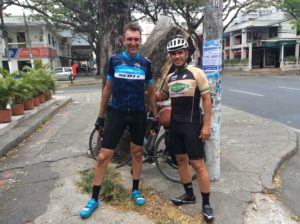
62 73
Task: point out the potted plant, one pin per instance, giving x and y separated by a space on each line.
50 85
5 97
22 91
33 81
41 81
28 97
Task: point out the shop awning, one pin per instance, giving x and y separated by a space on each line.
260 43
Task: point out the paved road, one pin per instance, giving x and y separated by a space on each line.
275 98
70 90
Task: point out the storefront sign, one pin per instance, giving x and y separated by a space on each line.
37 52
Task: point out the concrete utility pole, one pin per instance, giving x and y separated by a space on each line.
212 65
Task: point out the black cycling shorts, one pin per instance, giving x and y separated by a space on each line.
184 139
118 121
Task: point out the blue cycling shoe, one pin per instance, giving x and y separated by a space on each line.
89 208
138 198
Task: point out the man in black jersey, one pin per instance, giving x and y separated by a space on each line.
190 125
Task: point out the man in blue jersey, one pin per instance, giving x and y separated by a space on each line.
128 74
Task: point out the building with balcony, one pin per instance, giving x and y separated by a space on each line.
36 40
256 41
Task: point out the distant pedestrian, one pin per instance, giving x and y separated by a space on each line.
189 128
74 72
128 74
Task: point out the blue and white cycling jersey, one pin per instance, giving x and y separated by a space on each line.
129 74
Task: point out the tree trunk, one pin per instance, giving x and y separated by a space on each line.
113 14
97 53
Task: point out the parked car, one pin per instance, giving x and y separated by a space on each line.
62 73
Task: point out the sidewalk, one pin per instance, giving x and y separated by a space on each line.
252 149
13 133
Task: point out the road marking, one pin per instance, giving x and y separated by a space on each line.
240 91
284 87
59 91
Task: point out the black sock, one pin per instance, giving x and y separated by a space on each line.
96 191
135 184
205 198
188 187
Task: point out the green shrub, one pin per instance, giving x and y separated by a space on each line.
37 63
6 91
40 79
226 61
234 61
290 59
22 91
4 72
244 61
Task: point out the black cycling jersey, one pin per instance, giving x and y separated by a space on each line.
185 86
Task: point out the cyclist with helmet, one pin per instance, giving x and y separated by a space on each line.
128 74
190 125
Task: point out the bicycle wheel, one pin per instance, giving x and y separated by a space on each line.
164 162
95 142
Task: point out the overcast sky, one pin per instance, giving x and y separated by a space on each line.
16 11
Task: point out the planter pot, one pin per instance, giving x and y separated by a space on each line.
28 104
42 98
36 101
5 116
17 109
48 96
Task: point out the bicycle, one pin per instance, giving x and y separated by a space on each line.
154 151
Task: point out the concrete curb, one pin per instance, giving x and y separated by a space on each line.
11 139
78 83
269 171
16 120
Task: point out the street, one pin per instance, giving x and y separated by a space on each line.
275 98
272 97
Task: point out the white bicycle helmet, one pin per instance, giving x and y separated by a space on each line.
177 43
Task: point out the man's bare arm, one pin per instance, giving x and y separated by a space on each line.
152 99
105 98
206 129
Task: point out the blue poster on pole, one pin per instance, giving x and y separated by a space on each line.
212 56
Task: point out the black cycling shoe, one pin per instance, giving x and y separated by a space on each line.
184 199
208 213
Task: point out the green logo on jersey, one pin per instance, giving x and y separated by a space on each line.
178 87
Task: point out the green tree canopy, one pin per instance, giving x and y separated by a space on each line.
189 14
293 8
100 21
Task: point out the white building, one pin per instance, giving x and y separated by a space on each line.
255 42
38 42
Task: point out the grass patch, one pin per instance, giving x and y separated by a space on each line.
111 189
157 209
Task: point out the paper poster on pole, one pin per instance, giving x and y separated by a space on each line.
212 56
